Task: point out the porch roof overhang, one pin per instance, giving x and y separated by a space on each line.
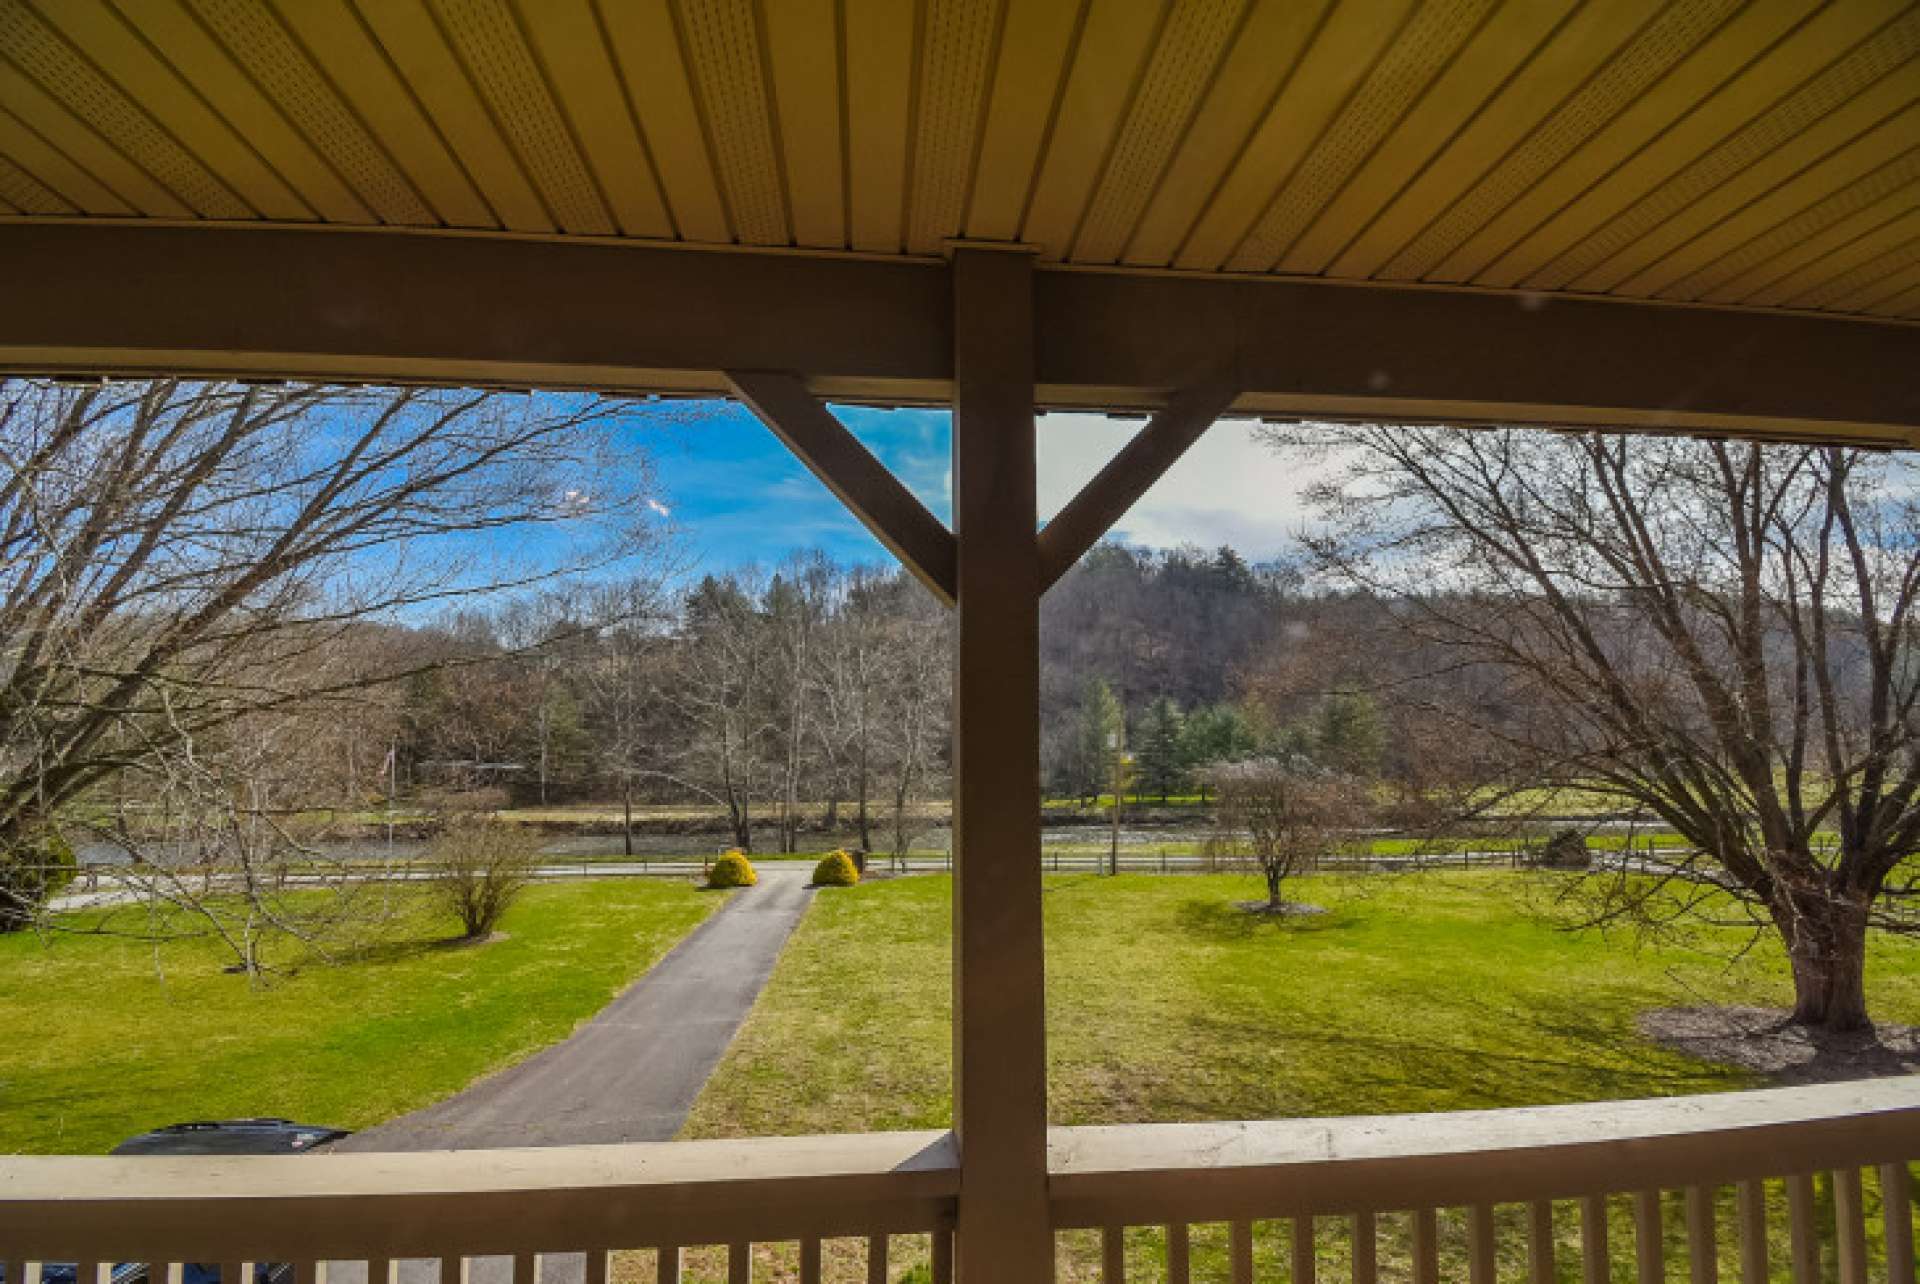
1702 216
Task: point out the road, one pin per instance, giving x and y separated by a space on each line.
1137 859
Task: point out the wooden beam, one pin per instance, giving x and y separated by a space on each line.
390 305
393 306
1365 351
1128 475
999 989
848 469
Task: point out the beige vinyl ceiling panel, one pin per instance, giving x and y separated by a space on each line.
1747 153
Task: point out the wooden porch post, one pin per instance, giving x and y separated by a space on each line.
999 1028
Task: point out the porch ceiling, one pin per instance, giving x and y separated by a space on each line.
1762 154
1696 214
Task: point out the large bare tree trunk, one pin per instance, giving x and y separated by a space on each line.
1827 948
1715 633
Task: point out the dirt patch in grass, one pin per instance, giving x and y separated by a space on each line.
1765 1041
1285 909
472 942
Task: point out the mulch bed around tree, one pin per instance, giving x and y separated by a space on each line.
1763 1041
1286 909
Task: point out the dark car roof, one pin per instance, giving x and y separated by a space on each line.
231 1137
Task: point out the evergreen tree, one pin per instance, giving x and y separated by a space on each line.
1214 734
1162 763
1101 718
1347 734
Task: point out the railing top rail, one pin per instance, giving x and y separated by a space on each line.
144 1208
926 1160
1104 1175
354 1206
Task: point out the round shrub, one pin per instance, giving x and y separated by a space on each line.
1566 850
733 869
836 869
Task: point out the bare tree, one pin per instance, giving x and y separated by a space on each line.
557 641
916 706
847 666
217 843
795 606
469 711
478 868
717 689
851 662
1714 633
621 679
1280 819
181 557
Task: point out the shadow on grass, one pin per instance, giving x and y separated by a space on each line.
1059 884
384 953
1767 1042
1553 1049
1284 1039
1232 921
1383 1071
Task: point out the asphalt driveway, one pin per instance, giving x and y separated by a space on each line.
633 1071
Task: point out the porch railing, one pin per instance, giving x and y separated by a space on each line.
1811 1182
1593 1192
503 1210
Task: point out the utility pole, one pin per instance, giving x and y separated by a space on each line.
626 810
393 787
1116 742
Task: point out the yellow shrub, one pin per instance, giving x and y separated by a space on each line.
836 869
732 869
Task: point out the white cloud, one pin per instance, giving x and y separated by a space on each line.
1228 489
659 508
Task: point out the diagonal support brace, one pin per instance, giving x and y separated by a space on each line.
1127 476
848 469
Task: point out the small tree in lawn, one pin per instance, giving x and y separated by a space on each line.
480 867
1281 818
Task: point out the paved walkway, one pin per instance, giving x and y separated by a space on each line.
631 1073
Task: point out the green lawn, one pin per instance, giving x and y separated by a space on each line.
1433 991
107 1036
1166 1002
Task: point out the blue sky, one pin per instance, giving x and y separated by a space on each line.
737 495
